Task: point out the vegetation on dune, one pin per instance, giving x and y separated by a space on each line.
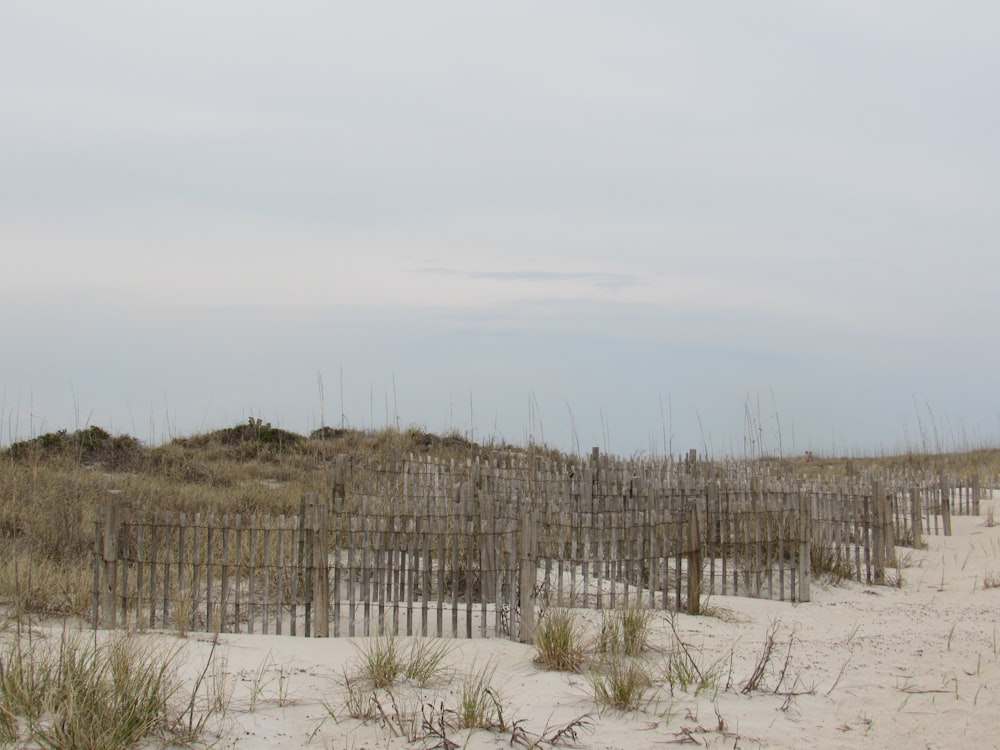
51 484
254 432
985 461
91 445
259 441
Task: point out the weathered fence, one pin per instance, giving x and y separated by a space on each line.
480 549
212 573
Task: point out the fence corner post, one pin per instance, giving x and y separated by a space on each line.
693 562
528 579
112 527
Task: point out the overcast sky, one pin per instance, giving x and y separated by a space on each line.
626 224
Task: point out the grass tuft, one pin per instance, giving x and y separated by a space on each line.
381 661
625 631
826 563
425 660
560 642
621 683
479 703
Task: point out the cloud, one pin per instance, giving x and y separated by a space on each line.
614 280
611 200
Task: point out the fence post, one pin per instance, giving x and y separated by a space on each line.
805 544
945 504
878 533
321 550
112 526
975 494
98 560
528 578
713 526
754 523
888 499
693 562
487 535
917 518
306 561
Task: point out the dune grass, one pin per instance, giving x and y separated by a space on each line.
560 642
621 682
75 692
625 630
382 660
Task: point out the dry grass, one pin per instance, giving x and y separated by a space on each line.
982 461
31 583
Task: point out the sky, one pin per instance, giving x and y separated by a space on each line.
768 226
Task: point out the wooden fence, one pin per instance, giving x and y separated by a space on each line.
482 549
211 573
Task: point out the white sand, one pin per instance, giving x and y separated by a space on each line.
910 667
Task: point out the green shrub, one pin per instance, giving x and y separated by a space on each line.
91 445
